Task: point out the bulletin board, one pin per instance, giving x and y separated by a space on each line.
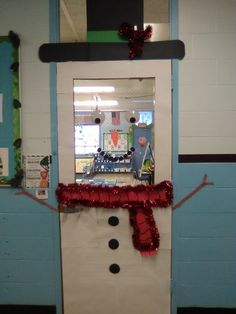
115 142
83 164
11 173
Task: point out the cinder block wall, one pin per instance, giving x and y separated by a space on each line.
204 233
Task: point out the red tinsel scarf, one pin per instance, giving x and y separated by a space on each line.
139 201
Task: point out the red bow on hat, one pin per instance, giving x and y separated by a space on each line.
135 37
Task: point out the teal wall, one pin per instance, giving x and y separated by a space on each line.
204 237
30 260
29 251
203 229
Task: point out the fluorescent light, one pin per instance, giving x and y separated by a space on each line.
94 89
83 110
95 103
141 101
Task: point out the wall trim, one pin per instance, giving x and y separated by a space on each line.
205 310
200 158
27 309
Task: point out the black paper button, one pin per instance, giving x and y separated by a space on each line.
113 244
113 221
114 268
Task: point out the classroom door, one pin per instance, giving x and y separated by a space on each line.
98 278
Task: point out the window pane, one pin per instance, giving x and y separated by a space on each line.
86 139
145 117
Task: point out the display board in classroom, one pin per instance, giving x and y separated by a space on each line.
115 142
10 140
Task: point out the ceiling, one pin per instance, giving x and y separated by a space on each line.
130 94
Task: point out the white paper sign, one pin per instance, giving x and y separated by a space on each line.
4 166
1 107
36 171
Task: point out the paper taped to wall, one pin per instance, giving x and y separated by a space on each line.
4 167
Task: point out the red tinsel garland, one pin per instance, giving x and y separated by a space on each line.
135 38
137 199
157 195
146 236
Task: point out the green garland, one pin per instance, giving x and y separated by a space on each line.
17 179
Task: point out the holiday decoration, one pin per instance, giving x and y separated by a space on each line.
135 38
114 137
138 199
105 42
37 200
104 155
11 117
109 51
196 190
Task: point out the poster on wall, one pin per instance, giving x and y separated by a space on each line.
83 165
4 165
1 108
115 142
37 171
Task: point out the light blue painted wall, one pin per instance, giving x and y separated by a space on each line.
28 251
204 237
203 234
29 232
